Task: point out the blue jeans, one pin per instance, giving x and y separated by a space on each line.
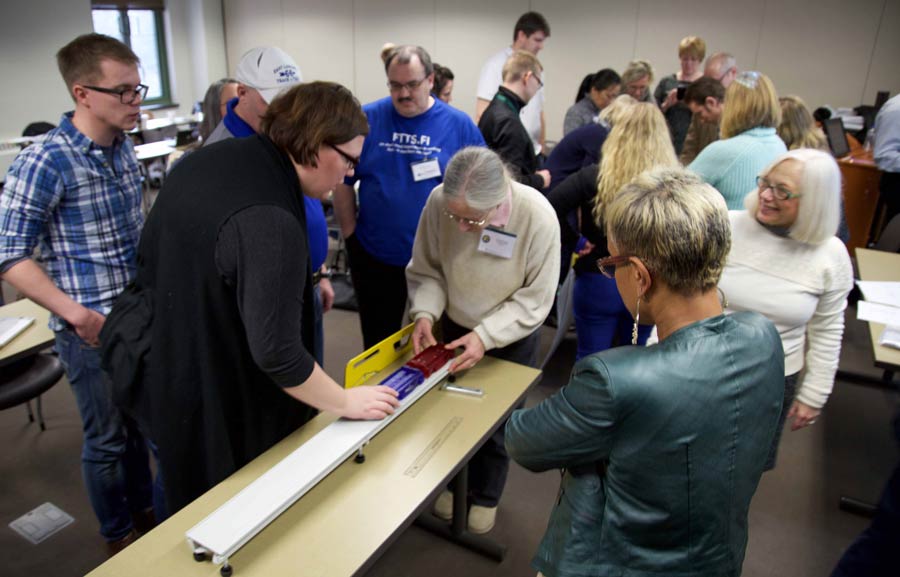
114 459
601 318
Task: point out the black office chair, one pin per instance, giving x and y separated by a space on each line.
38 128
27 378
889 241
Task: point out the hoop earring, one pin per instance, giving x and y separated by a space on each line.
723 300
637 318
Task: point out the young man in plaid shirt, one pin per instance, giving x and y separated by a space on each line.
77 194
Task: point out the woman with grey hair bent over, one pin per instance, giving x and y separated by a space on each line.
485 261
787 264
662 446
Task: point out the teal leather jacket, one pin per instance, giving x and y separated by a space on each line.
663 448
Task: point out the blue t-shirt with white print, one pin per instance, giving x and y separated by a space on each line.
390 199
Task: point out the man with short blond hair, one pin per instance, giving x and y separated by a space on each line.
77 194
502 126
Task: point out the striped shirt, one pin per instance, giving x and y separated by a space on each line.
81 203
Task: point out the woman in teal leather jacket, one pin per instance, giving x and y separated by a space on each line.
662 446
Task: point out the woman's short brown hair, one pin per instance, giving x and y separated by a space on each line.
692 46
307 116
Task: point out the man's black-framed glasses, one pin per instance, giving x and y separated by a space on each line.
352 161
126 95
410 86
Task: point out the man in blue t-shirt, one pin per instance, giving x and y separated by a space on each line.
412 138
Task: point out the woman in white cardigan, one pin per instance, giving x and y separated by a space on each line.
787 264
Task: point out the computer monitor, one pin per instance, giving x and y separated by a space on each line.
880 99
837 138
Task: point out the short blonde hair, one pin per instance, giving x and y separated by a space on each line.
518 63
819 211
676 224
636 70
638 140
798 127
750 102
692 46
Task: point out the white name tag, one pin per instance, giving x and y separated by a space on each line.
497 242
425 169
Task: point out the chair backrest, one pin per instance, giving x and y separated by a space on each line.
889 241
38 128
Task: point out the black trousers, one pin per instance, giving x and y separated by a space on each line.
489 467
380 292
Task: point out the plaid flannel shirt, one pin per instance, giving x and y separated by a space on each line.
82 204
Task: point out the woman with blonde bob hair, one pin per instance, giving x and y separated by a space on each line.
636 80
662 447
787 264
749 140
638 141
798 127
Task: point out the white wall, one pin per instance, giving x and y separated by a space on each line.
32 31
826 51
33 90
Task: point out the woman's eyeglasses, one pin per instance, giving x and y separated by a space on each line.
608 265
468 221
779 191
352 161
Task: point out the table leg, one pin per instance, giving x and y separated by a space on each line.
457 530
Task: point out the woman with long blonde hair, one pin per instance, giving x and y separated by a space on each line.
638 141
798 127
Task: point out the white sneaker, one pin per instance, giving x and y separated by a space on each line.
443 507
481 519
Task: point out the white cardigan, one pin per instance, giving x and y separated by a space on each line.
800 287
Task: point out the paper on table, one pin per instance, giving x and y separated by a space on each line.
887 293
878 313
890 337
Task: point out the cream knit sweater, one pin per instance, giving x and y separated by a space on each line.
802 288
502 300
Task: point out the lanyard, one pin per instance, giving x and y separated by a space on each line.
505 99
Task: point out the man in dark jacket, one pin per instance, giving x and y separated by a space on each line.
502 127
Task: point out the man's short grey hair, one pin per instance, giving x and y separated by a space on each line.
676 224
211 106
722 61
477 175
404 54
819 212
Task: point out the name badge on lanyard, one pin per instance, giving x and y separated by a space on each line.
425 169
497 242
